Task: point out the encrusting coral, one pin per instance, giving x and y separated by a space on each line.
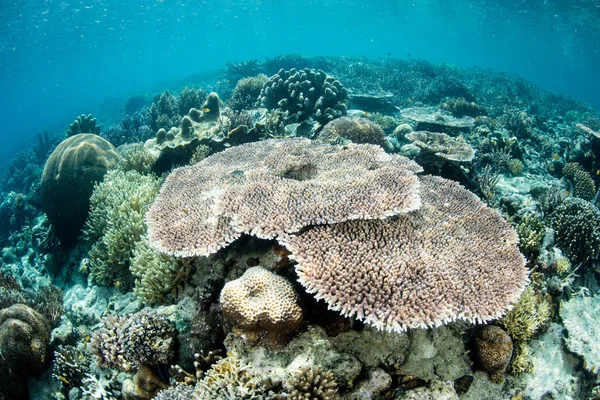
443 146
277 186
261 302
453 259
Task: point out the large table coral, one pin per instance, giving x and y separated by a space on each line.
274 187
454 258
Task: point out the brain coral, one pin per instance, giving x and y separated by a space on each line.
454 258
262 302
274 187
69 177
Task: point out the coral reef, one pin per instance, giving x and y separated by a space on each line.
261 302
70 365
24 339
583 184
68 180
116 224
143 338
580 317
144 385
435 120
356 130
304 93
311 383
270 187
246 92
492 350
454 258
83 124
442 146
460 107
577 226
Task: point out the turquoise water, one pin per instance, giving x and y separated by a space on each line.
63 58
265 200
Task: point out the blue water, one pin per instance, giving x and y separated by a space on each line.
62 58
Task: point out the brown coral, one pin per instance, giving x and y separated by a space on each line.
443 146
454 258
492 350
274 187
262 302
583 184
312 383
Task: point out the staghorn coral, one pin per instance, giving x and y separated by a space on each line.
492 350
116 223
276 186
583 184
357 130
442 146
70 365
577 226
305 93
531 232
312 383
69 177
143 338
261 302
453 259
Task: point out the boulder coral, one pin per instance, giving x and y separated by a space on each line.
356 130
492 350
262 303
68 180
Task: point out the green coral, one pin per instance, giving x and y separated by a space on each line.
83 124
116 223
135 157
157 273
246 92
531 312
531 232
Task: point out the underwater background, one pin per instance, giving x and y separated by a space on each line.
310 200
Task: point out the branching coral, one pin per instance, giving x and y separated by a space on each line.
246 92
116 223
125 343
70 365
583 184
304 93
230 379
83 124
454 258
577 226
273 187
312 383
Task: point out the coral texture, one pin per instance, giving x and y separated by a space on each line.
83 124
454 258
492 350
261 301
303 94
274 187
231 379
116 223
580 317
357 130
443 146
24 339
312 383
577 226
69 177
126 343
431 117
583 184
